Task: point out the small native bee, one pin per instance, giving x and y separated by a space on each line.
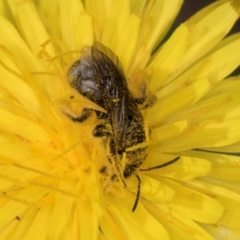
99 76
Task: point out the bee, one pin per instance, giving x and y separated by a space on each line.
98 75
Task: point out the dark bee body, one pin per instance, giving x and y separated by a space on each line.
98 76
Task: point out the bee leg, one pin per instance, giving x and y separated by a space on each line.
151 99
109 183
101 115
140 101
101 130
160 166
138 193
146 101
86 113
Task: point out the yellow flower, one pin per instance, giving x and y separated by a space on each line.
50 185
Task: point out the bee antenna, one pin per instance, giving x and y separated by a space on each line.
138 193
160 166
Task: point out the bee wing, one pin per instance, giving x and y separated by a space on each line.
86 52
115 91
111 56
114 80
118 100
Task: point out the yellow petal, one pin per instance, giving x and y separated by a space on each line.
120 11
31 26
4 10
177 225
50 164
21 201
228 173
168 58
133 228
49 14
224 166
232 148
157 19
207 28
127 42
40 218
151 189
168 131
22 64
83 31
109 228
69 15
226 51
208 134
228 85
185 169
30 130
221 106
88 220
2 7
194 205
220 232
138 6
99 11
64 204
216 65
231 186
10 37
24 223
177 101
236 4
229 199
16 87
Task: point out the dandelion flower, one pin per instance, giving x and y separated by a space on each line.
50 184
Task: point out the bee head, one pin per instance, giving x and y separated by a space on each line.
82 76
